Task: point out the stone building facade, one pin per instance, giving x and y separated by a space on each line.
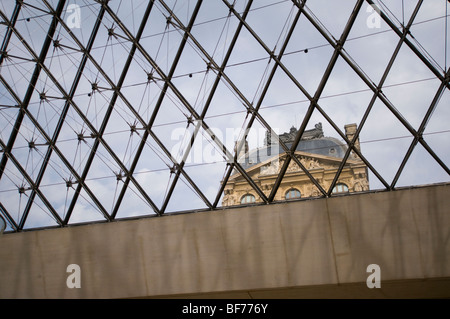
319 154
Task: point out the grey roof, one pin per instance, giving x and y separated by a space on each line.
327 146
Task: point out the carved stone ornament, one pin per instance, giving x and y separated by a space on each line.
272 168
361 185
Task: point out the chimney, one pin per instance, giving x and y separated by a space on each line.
350 131
242 151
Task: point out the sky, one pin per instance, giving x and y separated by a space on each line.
409 89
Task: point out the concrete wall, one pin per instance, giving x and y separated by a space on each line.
317 248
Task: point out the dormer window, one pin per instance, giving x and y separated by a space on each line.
248 199
340 188
293 193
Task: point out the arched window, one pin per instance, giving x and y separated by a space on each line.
340 188
293 193
247 199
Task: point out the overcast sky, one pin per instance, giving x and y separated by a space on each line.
410 87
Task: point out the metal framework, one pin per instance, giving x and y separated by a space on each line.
43 107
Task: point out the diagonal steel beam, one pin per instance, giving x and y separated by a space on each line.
64 111
55 149
128 174
314 103
254 110
247 103
92 128
148 132
53 146
255 113
33 80
42 131
25 103
34 188
9 219
110 108
381 96
196 116
166 86
218 78
419 137
315 99
4 47
436 72
372 102
222 75
363 76
371 85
